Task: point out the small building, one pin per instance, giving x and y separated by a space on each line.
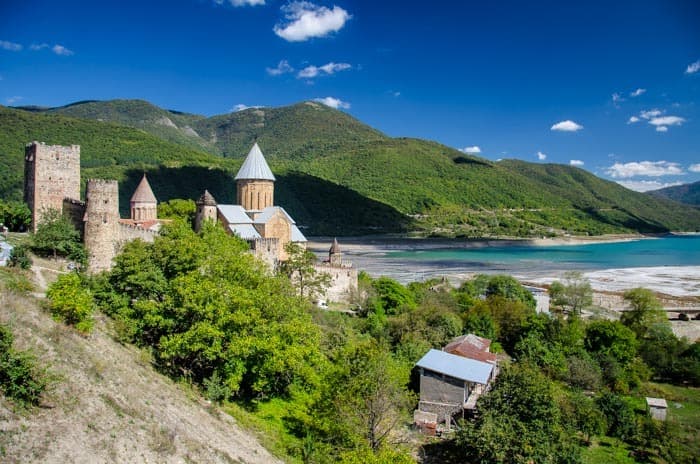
657 408
473 347
451 384
541 296
343 275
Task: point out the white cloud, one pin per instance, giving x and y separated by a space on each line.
10 46
576 162
661 129
61 50
566 126
37 47
632 120
13 100
693 68
282 67
333 102
637 92
646 185
305 20
396 93
310 72
667 121
644 168
471 150
617 98
241 107
650 114
541 156
241 2
694 168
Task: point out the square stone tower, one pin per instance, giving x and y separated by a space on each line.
51 173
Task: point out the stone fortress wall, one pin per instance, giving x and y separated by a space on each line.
51 173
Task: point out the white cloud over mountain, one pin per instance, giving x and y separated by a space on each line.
541 156
472 150
333 102
644 169
306 20
566 126
646 185
310 72
576 162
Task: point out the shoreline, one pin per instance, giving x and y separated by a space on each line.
384 243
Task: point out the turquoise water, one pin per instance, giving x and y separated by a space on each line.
666 251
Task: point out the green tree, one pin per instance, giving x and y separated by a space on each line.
177 208
645 311
20 378
71 301
393 296
301 271
574 294
15 215
611 338
519 422
20 258
374 397
56 236
619 416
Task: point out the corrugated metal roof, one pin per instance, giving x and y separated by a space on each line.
255 166
5 252
244 231
234 214
656 402
144 193
456 366
297 236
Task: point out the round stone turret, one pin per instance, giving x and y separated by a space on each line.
206 210
101 223
335 257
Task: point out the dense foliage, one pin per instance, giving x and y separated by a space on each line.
21 379
686 193
71 302
56 236
15 215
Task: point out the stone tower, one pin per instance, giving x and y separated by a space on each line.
101 223
335 257
206 210
144 206
255 183
51 174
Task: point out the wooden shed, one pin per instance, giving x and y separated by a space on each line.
657 408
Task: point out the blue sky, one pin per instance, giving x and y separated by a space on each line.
610 86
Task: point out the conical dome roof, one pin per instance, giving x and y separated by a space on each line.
335 248
206 199
143 193
255 166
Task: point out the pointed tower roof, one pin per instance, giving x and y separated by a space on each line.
255 166
143 193
335 248
206 199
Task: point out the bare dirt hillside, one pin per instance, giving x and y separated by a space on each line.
108 405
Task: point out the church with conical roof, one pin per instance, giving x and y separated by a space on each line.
254 217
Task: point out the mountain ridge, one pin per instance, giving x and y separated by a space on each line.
688 194
419 185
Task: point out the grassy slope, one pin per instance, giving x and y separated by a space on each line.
686 193
108 404
327 162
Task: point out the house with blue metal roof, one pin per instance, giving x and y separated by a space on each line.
451 384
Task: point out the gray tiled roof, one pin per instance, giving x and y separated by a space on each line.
255 166
455 366
234 214
144 193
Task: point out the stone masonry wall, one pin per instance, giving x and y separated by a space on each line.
101 223
343 282
51 174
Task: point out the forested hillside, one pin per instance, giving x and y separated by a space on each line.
686 193
335 174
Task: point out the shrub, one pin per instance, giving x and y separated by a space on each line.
71 302
20 257
20 379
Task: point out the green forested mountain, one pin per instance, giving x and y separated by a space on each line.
686 193
335 174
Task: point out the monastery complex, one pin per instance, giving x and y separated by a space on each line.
52 181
